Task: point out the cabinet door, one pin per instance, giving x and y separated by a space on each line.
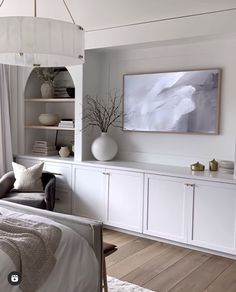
63 186
165 213
88 198
213 224
125 199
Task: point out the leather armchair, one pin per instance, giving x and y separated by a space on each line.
42 200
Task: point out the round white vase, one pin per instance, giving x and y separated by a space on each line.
104 147
47 90
64 151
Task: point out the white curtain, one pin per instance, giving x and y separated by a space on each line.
5 127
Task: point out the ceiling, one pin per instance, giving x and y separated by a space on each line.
102 14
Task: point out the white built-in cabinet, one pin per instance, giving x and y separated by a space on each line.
214 216
115 197
166 207
196 212
124 199
88 192
186 209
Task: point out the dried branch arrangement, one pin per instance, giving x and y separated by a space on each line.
46 74
101 114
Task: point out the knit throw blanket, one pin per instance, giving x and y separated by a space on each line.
31 246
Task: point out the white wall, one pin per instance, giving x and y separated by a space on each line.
91 86
175 149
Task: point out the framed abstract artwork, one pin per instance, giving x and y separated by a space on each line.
177 102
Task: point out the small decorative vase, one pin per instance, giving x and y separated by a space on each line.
104 147
64 151
47 89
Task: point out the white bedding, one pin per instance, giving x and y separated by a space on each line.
76 269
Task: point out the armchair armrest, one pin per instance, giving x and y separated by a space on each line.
50 193
6 183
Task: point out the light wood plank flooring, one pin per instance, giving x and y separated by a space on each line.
163 267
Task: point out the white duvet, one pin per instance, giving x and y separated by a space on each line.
76 268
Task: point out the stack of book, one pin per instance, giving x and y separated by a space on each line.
226 166
42 148
60 92
66 123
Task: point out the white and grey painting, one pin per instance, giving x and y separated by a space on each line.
172 102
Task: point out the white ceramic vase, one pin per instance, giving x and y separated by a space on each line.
47 90
64 151
104 147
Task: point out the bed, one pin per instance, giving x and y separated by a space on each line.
78 255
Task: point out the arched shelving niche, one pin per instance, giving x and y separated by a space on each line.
66 107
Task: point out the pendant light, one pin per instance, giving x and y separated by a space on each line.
35 41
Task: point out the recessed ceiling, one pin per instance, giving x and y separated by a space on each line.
101 14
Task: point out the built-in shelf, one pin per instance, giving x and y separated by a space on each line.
56 100
48 127
35 105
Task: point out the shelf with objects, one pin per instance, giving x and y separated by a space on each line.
49 127
49 106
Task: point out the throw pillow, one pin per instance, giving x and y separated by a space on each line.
28 179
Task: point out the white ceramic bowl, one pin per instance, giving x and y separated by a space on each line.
49 119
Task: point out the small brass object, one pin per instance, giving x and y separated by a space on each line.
197 167
213 165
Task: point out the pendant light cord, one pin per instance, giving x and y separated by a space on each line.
67 11
1 3
35 9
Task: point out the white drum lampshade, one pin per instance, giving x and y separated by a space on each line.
33 41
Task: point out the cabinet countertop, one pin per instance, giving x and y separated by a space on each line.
149 168
169 170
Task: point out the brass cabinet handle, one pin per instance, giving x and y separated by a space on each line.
189 185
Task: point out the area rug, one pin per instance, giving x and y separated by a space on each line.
115 285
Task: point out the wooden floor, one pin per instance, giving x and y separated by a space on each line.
164 267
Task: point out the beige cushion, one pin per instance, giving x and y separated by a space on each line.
28 179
